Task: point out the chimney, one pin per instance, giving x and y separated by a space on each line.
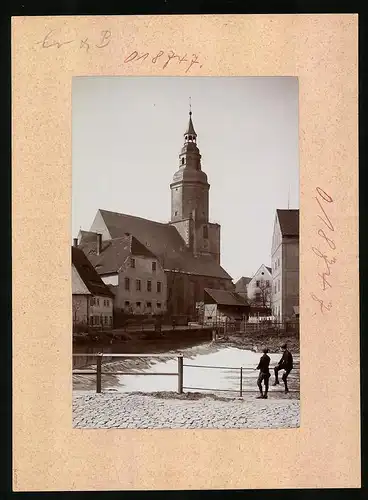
99 244
75 242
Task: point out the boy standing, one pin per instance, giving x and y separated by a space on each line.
264 374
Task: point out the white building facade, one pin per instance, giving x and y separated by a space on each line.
259 287
285 265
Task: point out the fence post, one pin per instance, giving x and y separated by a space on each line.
241 381
98 373
180 374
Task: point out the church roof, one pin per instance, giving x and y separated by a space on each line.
164 241
88 274
289 222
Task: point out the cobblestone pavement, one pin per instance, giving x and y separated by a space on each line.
143 411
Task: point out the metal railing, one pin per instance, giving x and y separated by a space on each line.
241 370
179 373
98 372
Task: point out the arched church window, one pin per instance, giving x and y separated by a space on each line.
182 161
190 137
186 137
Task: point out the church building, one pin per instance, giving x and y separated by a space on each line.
187 248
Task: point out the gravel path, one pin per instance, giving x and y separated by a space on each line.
149 411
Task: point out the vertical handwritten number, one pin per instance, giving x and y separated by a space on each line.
323 306
324 195
328 240
326 221
328 199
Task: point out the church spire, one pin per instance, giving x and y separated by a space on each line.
190 134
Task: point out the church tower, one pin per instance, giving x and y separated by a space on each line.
190 200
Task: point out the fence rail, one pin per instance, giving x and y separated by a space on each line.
179 373
98 372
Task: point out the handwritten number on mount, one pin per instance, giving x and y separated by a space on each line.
328 261
323 306
86 43
154 59
328 240
170 56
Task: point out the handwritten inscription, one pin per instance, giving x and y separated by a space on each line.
165 58
323 251
54 39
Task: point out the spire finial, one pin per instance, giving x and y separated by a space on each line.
190 106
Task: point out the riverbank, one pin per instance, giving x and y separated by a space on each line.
153 342
257 341
197 411
233 352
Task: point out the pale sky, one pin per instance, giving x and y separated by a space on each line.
128 132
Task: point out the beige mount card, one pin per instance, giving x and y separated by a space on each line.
47 52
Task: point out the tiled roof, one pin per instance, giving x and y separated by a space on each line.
241 284
113 253
289 222
164 241
88 274
87 236
225 298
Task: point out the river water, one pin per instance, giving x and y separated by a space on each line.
203 377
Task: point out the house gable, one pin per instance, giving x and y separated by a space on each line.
277 236
78 286
259 276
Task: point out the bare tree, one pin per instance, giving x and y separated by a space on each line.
262 295
265 291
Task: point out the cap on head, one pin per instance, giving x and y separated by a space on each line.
284 346
265 350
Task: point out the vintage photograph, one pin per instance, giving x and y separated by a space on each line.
185 252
